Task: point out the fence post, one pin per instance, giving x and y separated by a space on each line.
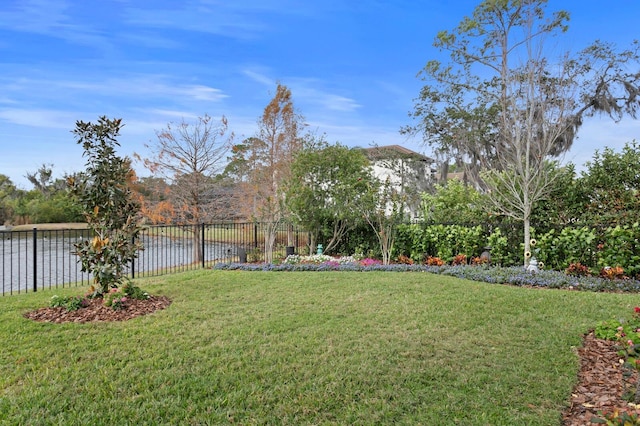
255 235
133 260
35 259
202 244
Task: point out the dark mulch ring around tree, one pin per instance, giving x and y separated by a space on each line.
600 381
96 311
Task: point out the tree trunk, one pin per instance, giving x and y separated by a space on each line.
269 241
197 245
290 241
527 240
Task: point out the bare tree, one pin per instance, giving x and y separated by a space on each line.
189 156
537 111
271 153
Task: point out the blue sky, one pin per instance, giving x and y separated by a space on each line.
351 66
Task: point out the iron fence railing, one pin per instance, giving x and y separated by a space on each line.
40 259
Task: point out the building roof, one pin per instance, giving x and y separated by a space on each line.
394 151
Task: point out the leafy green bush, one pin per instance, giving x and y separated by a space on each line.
70 303
570 245
445 241
620 247
499 244
409 242
627 333
134 292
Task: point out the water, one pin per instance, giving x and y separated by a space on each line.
57 266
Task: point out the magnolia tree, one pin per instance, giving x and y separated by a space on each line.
109 207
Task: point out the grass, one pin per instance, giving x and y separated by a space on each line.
305 348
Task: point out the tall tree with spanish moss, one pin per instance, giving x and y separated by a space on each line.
506 110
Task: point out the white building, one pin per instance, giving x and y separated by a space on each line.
409 172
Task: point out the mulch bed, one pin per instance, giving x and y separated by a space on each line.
96 311
600 383
599 388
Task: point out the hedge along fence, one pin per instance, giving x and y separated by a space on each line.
595 248
444 241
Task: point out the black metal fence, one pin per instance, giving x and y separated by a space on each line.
40 259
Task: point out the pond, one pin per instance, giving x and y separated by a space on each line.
49 257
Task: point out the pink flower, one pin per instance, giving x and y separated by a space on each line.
630 342
620 328
123 299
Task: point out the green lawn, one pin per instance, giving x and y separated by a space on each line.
304 348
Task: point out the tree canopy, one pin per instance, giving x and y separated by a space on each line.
326 183
504 108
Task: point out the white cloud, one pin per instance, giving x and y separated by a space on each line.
306 91
40 16
39 118
259 78
152 40
241 19
206 18
50 18
336 102
136 86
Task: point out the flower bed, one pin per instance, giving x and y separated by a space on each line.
491 274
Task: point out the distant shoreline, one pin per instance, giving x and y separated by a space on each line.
47 226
